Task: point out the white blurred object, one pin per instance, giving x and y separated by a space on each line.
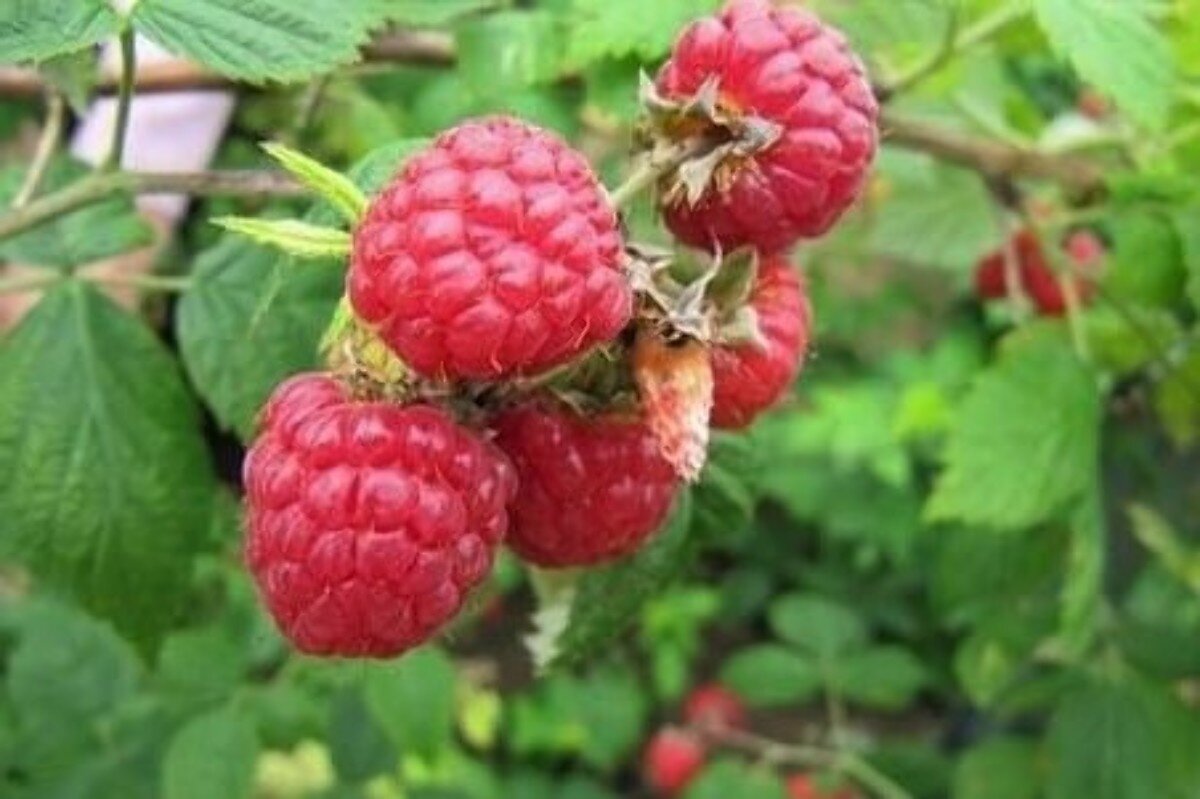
168 132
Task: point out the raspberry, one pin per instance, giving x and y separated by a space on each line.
672 759
1034 274
782 65
493 253
368 523
714 706
590 490
750 378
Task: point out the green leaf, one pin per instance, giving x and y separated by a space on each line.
412 700
90 234
885 677
1083 588
724 499
606 601
730 778
200 665
769 674
249 320
66 672
603 28
292 236
1114 47
108 490
1147 263
213 755
825 628
35 30
509 49
357 744
431 13
1128 340
1000 768
1177 399
936 215
257 40
337 189
1026 440
1187 223
1106 742
73 74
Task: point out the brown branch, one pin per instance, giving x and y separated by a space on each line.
991 158
98 186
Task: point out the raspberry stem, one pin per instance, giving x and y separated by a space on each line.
656 165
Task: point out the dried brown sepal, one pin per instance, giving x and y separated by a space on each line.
731 138
675 381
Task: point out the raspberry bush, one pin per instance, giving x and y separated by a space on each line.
601 398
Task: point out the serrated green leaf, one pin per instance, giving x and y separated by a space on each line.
885 677
90 234
825 628
65 673
984 666
259 40
1127 340
1025 443
292 236
248 320
35 30
337 189
199 666
107 487
1117 49
770 674
614 28
412 700
1082 591
606 601
1106 742
213 755
1000 768
935 215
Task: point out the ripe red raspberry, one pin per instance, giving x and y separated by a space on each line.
1035 276
714 706
750 378
785 66
367 523
672 759
589 489
493 253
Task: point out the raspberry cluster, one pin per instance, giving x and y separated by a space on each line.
507 368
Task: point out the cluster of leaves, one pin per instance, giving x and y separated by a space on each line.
969 524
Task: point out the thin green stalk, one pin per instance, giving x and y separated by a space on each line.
47 143
20 283
124 101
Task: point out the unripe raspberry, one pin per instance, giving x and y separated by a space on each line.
368 523
493 253
714 706
672 759
782 65
590 489
749 378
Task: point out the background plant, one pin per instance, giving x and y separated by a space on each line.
961 563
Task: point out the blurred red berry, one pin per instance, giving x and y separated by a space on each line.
493 253
750 378
1036 278
1092 104
714 706
780 64
367 523
590 489
672 759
